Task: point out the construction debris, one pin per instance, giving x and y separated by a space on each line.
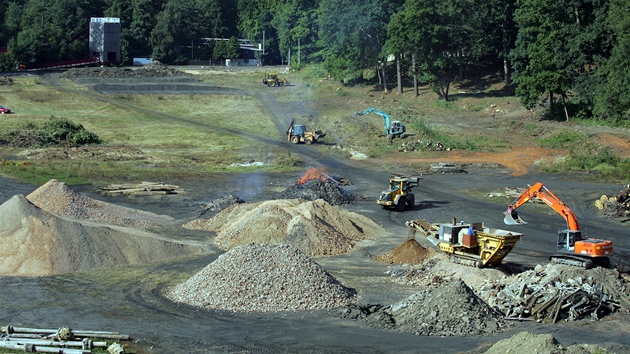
327 189
143 188
219 204
617 206
58 340
422 145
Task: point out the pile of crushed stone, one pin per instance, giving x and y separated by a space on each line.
315 227
329 191
219 204
263 278
34 242
408 252
153 70
452 309
57 198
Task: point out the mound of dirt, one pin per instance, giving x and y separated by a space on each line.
263 278
331 192
525 342
315 227
34 242
57 198
409 252
448 310
153 70
219 204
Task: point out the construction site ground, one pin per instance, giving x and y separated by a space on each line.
131 298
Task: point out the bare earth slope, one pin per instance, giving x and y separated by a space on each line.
34 242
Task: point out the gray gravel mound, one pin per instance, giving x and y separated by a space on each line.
448 310
154 70
317 189
263 278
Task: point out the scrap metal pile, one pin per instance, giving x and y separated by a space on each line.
617 206
61 340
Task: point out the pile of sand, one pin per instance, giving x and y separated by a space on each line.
315 227
409 252
525 342
57 198
263 278
34 242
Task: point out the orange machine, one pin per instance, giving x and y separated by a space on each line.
573 248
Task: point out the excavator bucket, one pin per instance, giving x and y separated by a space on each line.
512 218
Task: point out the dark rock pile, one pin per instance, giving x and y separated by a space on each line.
219 204
154 70
312 190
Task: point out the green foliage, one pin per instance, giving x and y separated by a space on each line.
54 132
590 157
563 139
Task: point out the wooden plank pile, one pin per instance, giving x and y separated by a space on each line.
62 340
571 300
143 188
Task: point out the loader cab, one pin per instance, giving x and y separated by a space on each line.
299 129
395 185
397 128
567 239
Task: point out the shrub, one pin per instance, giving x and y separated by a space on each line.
54 132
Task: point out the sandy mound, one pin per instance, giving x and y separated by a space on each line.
262 278
34 242
316 228
526 342
409 252
448 310
57 198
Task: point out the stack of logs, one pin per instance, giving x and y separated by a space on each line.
615 207
143 188
59 340
571 300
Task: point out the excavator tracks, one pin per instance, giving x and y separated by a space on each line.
572 261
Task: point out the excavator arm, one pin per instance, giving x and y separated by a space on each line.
540 192
378 112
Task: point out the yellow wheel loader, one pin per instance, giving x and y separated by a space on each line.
399 195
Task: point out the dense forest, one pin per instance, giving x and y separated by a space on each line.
573 55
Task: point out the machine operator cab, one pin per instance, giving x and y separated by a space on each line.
567 239
394 185
397 128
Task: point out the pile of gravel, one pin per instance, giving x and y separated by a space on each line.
57 198
219 204
263 278
318 189
315 227
154 70
448 310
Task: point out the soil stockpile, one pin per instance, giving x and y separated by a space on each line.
526 342
315 227
448 310
263 278
34 242
409 252
153 70
312 190
57 198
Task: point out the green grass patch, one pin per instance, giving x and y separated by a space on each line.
563 139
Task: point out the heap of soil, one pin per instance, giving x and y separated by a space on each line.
329 191
34 242
448 310
525 342
153 70
57 198
409 252
219 204
315 227
263 278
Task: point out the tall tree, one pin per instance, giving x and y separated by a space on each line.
613 98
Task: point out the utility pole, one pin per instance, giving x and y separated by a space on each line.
262 58
298 53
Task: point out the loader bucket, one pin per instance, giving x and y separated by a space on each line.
511 218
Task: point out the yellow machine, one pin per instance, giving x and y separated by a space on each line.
297 133
272 80
399 195
471 244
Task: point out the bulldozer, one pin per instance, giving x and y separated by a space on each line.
399 195
471 244
297 133
272 80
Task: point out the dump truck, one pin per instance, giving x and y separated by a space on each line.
471 244
399 195
297 133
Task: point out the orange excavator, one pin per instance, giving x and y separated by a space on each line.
573 248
